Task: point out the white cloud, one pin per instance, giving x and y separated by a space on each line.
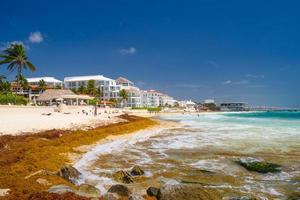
130 50
36 37
230 82
255 76
227 82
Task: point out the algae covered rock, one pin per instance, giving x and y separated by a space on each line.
119 189
260 166
153 191
60 189
87 190
69 173
123 177
137 171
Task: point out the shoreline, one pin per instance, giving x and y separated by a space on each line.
23 155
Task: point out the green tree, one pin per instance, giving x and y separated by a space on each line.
23 82
75 90
57 87
123 95
99 93
91 87
42 85
5 87
16 58
82 90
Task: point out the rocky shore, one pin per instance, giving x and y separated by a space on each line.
36 165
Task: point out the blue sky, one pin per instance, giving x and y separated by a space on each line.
226 50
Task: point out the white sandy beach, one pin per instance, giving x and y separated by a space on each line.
24 119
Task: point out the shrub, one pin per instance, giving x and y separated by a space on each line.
93 101
12 99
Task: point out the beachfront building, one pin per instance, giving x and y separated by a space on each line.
55 97
109 87
134 93
233 106
187 105
51 82
33 90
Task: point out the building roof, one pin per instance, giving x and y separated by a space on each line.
121 80
46 79
60 94
86 78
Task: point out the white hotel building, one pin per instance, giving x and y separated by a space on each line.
108 86
111 88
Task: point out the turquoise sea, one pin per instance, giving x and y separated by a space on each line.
203 148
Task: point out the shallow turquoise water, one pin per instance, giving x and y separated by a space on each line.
211 142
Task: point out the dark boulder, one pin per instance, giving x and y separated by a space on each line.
69 173
137 171
152 191
123 177
119 189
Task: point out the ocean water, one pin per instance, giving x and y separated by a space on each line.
203 149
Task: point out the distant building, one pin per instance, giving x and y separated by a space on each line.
188 105
33 90
233 106
207 101
108 86
50 81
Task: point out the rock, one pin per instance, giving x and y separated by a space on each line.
60 189
69 173
136 197
121 190
4 192
187 192
255 165
42 181
110 196
137 171
123 177
89 191
153 191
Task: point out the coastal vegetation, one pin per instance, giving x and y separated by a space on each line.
16 59
23 156
10 98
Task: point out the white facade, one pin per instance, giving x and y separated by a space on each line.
134 93
108 86
50 81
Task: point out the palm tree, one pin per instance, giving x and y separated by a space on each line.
82 89
5 86
99 92
23 82
123 95
42 85
91 87
16 59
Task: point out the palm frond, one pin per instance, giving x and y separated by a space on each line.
30 66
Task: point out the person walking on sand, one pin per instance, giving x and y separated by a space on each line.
95 110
